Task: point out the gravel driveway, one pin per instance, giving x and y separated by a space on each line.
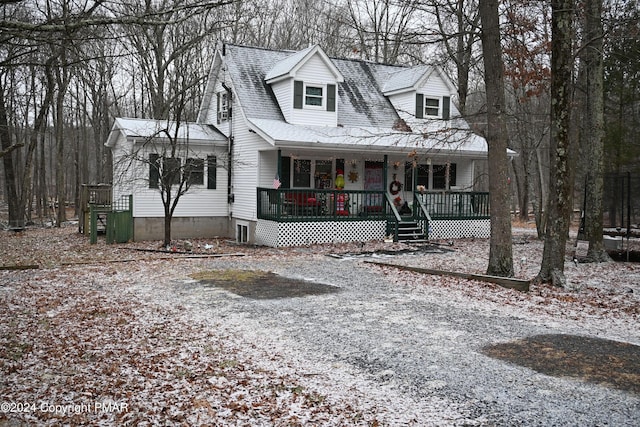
417 351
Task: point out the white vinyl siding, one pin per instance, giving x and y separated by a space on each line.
212 108
198 201
464 174
314 73
246 170
283 91
434 88
268 168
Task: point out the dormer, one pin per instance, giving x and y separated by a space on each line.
421 93
305 85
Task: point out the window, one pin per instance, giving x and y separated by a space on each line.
440 176
302 173
167 168
171 170
431 107
211 172
194 169
422 175
242 233
154 170
224 110
313 96
322 175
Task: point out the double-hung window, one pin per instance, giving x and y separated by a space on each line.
164 170
194 168
224 109
313 96
431 107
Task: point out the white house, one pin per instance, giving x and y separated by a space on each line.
286 123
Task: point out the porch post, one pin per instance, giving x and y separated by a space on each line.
279 164
384 172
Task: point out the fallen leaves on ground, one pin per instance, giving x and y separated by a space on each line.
78 346
76 351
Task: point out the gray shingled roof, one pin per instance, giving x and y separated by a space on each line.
283 67
361 101
405 79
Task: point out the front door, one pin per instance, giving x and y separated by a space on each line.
373 181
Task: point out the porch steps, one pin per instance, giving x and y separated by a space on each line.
411 232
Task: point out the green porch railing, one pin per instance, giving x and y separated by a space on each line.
452 205
290 205
287 205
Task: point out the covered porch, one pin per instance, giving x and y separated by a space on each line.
290 217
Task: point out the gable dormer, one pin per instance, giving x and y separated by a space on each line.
305 86
421 92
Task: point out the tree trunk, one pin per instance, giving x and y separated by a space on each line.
166 201
42 180
60 166
594 135
560 184
39 123
500 246
539 200
16 218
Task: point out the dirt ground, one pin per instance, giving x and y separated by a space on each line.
73 329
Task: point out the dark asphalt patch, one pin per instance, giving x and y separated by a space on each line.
262 284
605 362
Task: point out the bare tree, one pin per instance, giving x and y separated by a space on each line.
560 182
66 40
382 27
459 32
171 55
500 250
592 78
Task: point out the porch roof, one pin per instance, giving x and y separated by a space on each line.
462 142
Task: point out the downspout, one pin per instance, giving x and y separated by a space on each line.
230 195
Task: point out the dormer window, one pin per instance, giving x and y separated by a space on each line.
314 96
432 107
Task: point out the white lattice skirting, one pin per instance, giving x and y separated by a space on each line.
282 234
460 229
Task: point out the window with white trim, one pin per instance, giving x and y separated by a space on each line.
431 107
316 96
313 96
224 112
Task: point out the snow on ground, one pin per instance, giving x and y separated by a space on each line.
108 335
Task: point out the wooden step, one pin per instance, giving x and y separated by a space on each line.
410 232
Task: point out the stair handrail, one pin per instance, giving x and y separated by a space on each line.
424 210
423 207
396 214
